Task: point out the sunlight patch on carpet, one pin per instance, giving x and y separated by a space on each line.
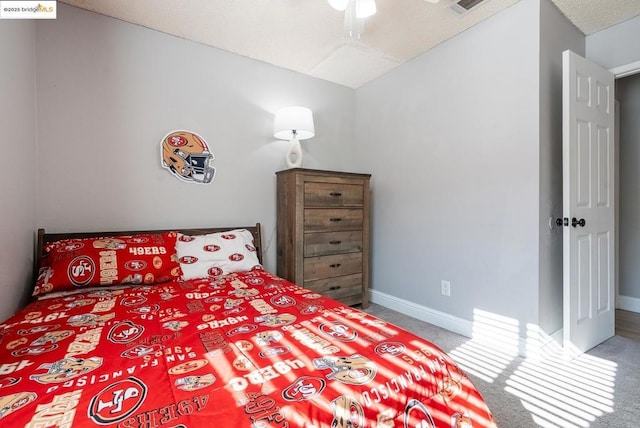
493 346
565 392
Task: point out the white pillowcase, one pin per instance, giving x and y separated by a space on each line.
216 254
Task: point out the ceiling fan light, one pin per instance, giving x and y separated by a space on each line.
365 8
339 4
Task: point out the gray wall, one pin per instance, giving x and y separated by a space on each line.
615 46
108 91
452 140
19 167
628 92
468 166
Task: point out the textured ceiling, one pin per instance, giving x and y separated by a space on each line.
308 36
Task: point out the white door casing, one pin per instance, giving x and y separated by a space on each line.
588 193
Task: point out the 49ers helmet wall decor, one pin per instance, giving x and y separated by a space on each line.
187 156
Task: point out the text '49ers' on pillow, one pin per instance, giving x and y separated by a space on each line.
89 262
216 254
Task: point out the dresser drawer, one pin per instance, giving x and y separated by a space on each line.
318 194
332 219
326 243
339 288
331 266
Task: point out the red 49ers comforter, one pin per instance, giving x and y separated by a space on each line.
244 350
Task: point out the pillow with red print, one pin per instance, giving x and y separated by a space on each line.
216 254
108 260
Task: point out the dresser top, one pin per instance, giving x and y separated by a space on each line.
321 172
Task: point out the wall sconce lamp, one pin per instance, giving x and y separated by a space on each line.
293 124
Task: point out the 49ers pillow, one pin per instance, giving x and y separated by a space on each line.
108 260
216 254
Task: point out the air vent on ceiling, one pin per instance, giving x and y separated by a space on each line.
461 7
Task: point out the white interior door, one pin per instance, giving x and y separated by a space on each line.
588 203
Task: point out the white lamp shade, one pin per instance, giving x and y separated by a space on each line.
289 119
339 4
365 8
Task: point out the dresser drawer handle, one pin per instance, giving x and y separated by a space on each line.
335 287
335 265
335 242
335 219
335 194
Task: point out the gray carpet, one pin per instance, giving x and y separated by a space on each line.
598 389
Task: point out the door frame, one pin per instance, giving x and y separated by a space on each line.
626 70
619 72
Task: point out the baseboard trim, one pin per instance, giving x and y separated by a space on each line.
465 327
423 313
628 303
530 347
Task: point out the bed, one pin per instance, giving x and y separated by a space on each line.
184 328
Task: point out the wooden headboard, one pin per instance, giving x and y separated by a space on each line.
44 237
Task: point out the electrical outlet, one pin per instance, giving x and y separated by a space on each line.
445 288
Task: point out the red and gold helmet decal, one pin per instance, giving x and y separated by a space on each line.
187 156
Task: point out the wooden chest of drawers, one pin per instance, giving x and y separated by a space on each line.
323 232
